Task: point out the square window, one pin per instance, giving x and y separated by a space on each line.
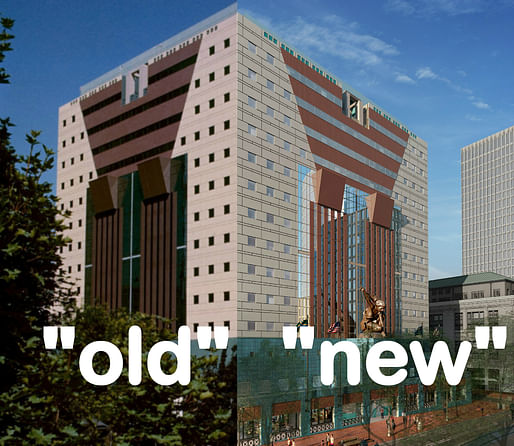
211 130
270 85
252 102
211 269
251 325
270 164
197 216
270 299
197 162
251 213
269 245
251 269
251 74
226 324
72 139
80 223
62 186
195 327
211 185
197 136
196 244
287 146
226 97
211 212
197 83
226 209
212 157
196 299
269 326
270 191
226 152
226 237
196 271
251 297
226 295
251 157
81 157
287 95
270 111
64 123
226 124
80 200
251 241
287 249
269 272
211 240
226 181
183 141
270 218
287 197
211 76
226 43
269 58
197 109
270 138
64 143
287 222
72 161
287 275
226 267
211 50
251 185
287 300
287 120
287 171
212 102
197 188
226 69
211 298
251 47
81 135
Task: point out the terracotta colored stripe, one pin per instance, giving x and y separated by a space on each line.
388 125
174 284
330 131
309 73
325 271
311 263
393 287
326 105
345 161
333 268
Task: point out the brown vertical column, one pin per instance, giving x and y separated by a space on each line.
174 227
393 293
311 263
370 256
325 272
378 264
333 269
319 279
119 256
383 263
346 312
169 267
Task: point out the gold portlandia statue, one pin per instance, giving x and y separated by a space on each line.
373 317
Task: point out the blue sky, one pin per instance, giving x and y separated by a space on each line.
443 68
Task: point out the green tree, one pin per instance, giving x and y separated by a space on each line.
31 283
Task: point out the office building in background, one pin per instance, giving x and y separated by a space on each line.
487 175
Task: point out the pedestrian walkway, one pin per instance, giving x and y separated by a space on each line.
430 421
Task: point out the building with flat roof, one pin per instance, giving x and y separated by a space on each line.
223 177
487 175
459 304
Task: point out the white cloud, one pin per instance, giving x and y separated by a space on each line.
340 39
481 105
426 73
403 78
428 8
473 118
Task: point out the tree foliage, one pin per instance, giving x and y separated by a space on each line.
52 404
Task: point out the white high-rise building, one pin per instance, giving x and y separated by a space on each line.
487 176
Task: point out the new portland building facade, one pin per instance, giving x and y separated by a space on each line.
224 178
